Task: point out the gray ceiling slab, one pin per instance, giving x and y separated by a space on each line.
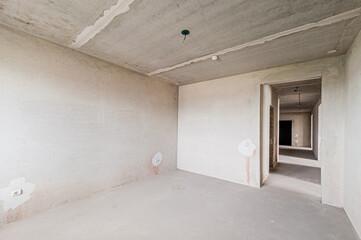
59 21
310 94
147 37
300 47
307 100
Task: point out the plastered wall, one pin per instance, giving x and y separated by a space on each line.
352 168
275 105
72 126
214 116
269 97
316 130
301 128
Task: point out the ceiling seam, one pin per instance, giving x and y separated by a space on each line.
327 21
102 22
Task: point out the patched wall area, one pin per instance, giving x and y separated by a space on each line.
73 126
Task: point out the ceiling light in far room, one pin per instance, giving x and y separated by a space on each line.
297 91
331 51
214 58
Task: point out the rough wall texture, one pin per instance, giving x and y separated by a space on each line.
269 98
275 104
74 125
266 101
352 195
316 130
301 128
215 116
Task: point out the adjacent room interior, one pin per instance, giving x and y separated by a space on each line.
180 119
294 143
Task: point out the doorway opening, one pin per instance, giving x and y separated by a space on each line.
286 132
291 130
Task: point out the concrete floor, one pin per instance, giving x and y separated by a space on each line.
181 205
296 178
308 174
299 153
298 156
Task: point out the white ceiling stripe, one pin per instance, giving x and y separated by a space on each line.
327 21
89 32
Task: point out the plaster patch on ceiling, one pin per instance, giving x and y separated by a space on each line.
89 32
327 21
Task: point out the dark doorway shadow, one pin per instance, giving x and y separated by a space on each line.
286 133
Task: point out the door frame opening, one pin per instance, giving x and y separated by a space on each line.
270 145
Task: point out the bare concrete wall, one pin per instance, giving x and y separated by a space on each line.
316 129
74 125
266 99
269 98
301 128
215 116
352 168
275 104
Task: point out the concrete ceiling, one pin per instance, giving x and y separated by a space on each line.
144 35
305 93
57 21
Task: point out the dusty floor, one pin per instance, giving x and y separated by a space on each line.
296 178
181 205
298 156
308 174
299 153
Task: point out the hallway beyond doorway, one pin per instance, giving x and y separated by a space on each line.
304 173
298 156
298 153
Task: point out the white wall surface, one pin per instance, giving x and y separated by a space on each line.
214 116
353 135
75 125
301 128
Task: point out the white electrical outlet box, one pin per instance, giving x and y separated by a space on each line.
17 192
